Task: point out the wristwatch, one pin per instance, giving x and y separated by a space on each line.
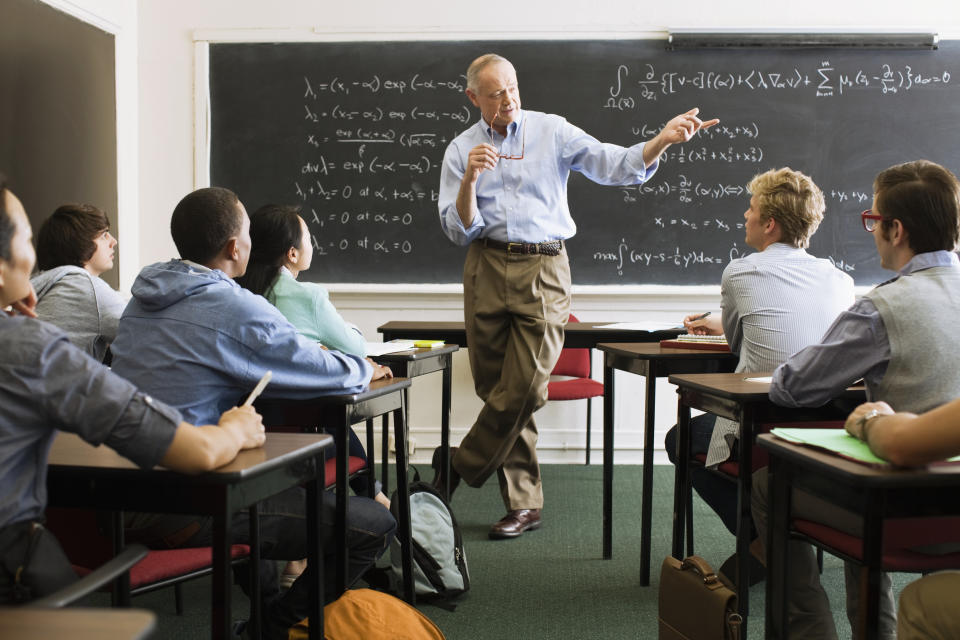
864 419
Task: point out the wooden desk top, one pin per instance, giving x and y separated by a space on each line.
855 473
76 623
649 350
70 451
734 386
417 354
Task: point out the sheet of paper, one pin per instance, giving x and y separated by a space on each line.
381 348
762 379
646 325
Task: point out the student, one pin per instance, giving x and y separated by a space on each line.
928 606
47 384
773 303
197 340
281 249
74 247
899 338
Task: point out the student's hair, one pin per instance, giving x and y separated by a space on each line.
6 222
274 228
68 236
793 200
478 65
204 221
925 198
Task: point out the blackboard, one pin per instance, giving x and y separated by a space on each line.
354 132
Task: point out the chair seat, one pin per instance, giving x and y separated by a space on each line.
354 464
577 389
898 534
163 564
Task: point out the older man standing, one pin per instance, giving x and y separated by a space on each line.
503 192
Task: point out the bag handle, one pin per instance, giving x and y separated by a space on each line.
699 565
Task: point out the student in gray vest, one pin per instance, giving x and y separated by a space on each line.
899 338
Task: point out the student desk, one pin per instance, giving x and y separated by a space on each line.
877 493
651 361
729 395
338 413
418 362
77 624
578 335
79 475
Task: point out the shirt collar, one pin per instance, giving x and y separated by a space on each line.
929 260
283 269
196 266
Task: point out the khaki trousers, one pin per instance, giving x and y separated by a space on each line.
928 608
515 309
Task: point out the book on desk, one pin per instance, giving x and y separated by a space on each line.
839 443
691 341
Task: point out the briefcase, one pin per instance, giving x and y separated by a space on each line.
694 604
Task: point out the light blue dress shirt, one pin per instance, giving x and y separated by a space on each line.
855 346
526 200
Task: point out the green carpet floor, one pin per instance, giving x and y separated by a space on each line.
551 583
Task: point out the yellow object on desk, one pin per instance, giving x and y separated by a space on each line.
428 344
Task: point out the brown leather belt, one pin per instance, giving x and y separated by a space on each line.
552 248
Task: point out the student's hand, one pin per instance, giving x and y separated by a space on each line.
26 306
853 426
712 325
247 424
379 371
482 157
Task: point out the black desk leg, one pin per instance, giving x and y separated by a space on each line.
220 593
777 543
256 612
371 462
343 460
744 519
646 500
404 530
869 609
447 385
315 555
120 596
681 483
385 452
608 394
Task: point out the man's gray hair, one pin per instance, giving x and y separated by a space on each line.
478 65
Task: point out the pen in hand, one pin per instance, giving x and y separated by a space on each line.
258 389
700 317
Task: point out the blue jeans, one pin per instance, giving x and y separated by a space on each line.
719 493
283 536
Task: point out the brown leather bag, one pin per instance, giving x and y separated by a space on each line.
694 604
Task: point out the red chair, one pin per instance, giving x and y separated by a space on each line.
576 363
87 548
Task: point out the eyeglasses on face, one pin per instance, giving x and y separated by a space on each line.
870 220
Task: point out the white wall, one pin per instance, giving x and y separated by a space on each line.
166 150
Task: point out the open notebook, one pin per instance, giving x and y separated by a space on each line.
840 443
690 341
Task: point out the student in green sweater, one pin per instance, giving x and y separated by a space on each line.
281 249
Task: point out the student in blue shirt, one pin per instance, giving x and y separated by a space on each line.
503 192
47 384
197 340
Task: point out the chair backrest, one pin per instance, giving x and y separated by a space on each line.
573 362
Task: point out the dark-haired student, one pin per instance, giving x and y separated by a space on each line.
47 384
74 247
197 340
281 249
928 606
900 338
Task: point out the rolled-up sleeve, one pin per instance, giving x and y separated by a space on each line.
451 175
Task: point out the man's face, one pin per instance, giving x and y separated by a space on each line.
102 258
497 94
754 226
15 272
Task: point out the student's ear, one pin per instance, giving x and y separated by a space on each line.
293 254
231 250
898 233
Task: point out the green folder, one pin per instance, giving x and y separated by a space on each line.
836 441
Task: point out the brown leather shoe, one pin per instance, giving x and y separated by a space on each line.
515 523
438 476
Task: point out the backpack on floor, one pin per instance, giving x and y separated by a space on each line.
365 614
439 562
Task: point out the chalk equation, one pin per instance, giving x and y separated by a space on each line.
374 84
364 243
824 80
